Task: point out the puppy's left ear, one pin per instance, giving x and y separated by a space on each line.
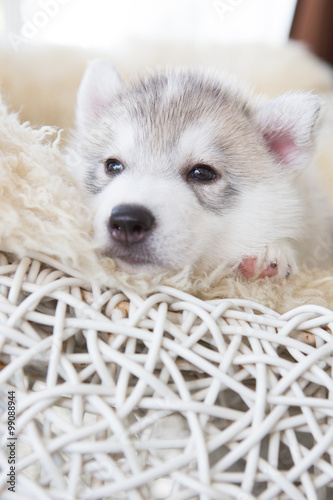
100 83
289 124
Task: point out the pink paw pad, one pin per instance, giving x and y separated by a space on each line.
248 269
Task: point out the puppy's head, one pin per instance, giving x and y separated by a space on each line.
187 168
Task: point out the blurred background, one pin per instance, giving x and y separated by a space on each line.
108 23
45 45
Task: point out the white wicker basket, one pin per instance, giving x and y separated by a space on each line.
165 397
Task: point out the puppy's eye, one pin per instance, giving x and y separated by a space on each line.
202 173
113 166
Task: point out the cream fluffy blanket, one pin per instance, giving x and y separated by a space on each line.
42 213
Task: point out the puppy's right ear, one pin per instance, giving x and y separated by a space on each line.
99 84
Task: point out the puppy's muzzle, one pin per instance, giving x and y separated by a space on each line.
130 224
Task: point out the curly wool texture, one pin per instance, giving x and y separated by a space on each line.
40 206
41 211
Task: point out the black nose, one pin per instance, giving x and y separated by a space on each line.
129 224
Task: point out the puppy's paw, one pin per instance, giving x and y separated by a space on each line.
274 263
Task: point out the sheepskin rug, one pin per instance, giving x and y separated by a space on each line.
41 210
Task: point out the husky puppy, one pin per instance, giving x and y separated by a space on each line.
189 168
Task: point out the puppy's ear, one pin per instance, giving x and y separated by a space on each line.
99 84
289 124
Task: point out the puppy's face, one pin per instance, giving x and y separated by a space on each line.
182 169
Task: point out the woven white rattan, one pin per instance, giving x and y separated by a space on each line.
172 397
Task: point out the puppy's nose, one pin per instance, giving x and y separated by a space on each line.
129 224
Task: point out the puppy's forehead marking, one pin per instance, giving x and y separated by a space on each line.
188 113
176 119
125 137
177 100
197 140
